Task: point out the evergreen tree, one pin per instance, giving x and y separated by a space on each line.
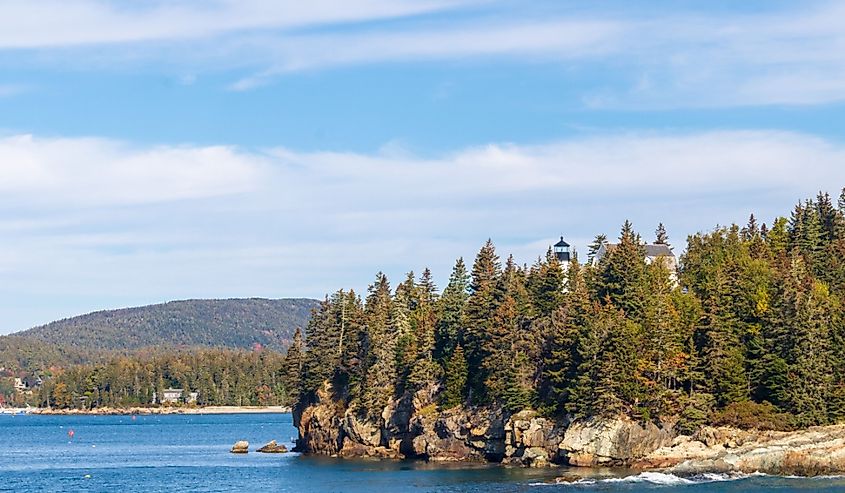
485 297
450 307
454 386
661 238
621 274
380 349
294 366
594 247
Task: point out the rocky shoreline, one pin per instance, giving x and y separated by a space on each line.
412 427
112 411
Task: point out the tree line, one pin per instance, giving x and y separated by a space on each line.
223 377
749 333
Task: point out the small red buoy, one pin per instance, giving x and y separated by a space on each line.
70 433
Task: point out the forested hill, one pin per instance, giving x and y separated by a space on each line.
235 323
232 323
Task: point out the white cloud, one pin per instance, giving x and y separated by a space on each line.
54 23
91 171
782 54
307 223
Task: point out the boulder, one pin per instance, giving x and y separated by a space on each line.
240 447
531 440
611 442
273 448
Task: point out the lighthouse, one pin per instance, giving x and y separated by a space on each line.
561 250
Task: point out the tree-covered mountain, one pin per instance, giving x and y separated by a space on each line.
229 323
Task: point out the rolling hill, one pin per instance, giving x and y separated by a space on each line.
231 323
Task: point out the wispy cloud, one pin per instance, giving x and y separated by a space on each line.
785 54
62 23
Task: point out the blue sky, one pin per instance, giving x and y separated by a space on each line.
152 151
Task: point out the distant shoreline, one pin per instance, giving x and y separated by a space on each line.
105 411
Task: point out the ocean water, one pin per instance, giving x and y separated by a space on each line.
191 453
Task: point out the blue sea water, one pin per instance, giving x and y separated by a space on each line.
191 453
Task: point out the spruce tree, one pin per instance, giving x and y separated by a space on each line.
594 247
380 336
293 367
455 382
485 297
661 238
450 310
621 274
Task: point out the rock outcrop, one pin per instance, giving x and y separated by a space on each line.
240 447
532 440
272 447
413 427
812 452
611 442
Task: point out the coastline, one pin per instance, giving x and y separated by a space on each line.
109 411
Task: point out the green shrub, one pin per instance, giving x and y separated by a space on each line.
753 416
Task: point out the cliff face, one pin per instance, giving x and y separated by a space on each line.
412 427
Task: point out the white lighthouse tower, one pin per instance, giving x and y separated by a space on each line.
561 250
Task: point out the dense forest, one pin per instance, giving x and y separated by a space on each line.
751 333
221 377
100 336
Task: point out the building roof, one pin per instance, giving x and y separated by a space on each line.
658 251
652 250
561 243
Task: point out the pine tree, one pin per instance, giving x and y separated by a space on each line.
450 308
594 247
380 336
661 238
621 274
483 301
563 329
294 367
454 386
545 285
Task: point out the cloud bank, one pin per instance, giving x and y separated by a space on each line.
96 219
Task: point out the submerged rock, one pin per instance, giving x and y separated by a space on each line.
240 447
273 448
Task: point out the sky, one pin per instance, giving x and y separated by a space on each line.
159 150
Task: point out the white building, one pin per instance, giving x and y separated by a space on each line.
171 396
20 385
653 252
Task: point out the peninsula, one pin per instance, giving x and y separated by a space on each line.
620 358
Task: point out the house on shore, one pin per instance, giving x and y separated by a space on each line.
171 395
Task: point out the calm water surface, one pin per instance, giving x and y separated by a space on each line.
191 453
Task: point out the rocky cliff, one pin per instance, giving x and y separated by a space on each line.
413 427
